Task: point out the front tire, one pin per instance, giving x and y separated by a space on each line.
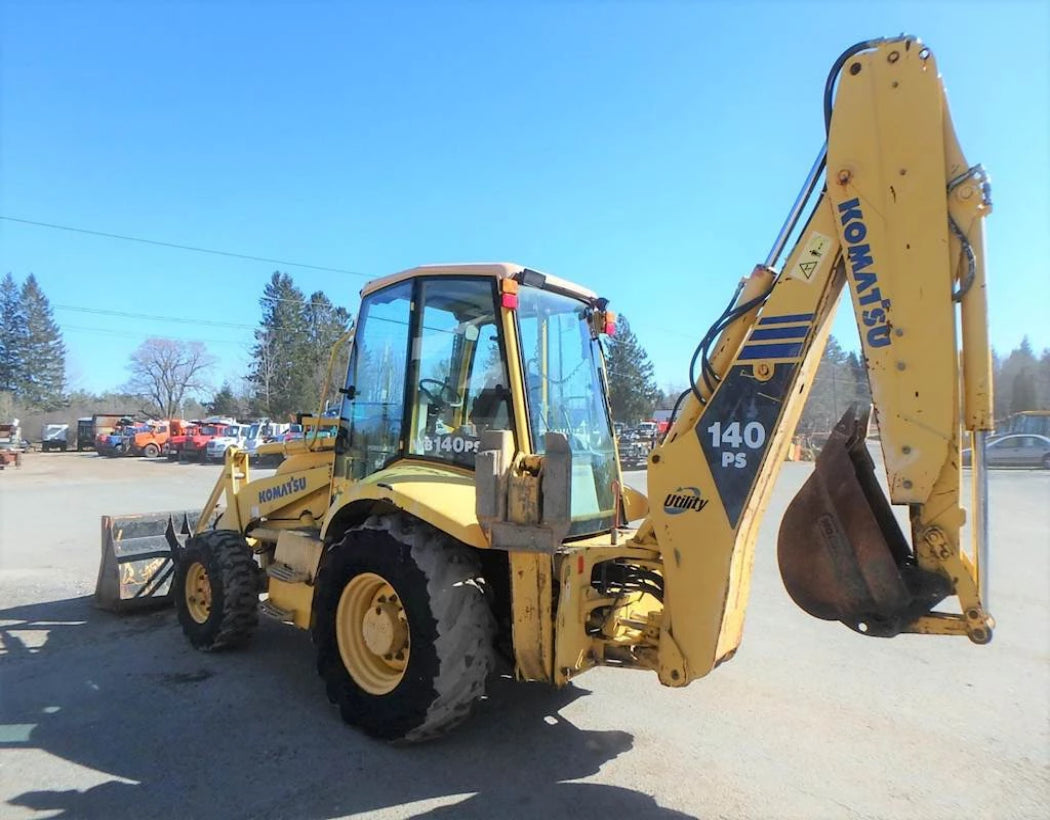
216 590
403 631
151 450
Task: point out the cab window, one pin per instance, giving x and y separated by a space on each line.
459 376
375 401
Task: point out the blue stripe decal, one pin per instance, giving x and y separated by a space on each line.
784 320
785 351
780 333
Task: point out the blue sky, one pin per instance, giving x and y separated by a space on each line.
649 150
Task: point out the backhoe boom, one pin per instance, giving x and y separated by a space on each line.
900 220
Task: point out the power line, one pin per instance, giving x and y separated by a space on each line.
181 247
154 317
122 314
127 334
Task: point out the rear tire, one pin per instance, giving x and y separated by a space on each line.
216 590
437 624
1046 462
151 450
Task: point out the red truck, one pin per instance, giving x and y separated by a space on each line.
196 444
174 445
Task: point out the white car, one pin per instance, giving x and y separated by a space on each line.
233 435
1014 450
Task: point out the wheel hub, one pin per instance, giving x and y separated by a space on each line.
372 633
198 592
383 631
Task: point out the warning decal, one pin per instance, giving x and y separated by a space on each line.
812 256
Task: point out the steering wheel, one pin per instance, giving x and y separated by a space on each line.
442 396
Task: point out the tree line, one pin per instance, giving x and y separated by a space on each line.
32 352
1021 382
171 377
290 354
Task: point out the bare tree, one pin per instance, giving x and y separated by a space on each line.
164 371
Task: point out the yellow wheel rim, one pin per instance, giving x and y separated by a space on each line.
372 631
198 592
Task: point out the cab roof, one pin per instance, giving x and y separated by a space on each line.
497 270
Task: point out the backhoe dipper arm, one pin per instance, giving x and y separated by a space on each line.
900 220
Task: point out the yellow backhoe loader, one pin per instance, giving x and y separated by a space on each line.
471 504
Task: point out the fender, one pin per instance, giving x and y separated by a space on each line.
442 495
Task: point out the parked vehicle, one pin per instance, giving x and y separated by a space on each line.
233 435
149 439
102 425
634 453
259 435
85 433
117 441
54 437
12 445
196 445
173 447
1014 450
648 429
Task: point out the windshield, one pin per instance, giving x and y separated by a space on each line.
565 395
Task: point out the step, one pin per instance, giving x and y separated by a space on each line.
283 572
271 610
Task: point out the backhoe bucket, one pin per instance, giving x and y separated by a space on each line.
842 554
137 559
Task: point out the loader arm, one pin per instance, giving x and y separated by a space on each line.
899 220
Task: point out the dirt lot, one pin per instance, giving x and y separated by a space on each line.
102 716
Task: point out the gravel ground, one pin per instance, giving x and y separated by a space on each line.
106 716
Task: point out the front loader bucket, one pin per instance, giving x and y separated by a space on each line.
137 559
842 554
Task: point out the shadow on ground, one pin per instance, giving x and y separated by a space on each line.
176 733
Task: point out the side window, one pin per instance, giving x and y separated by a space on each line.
460 379
377 375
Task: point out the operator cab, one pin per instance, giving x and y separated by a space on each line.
432 368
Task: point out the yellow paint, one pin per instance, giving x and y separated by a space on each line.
372 632
530 576
635 503
198 592
886 199
296 598
886 153
442 495
706 561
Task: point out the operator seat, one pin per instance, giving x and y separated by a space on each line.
490 409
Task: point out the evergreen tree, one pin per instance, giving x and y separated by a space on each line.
1022 392
1011 386
841 381
12 336
1042 381
324 324
282 367
632 387
224 403
830 394
44 354
858 375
